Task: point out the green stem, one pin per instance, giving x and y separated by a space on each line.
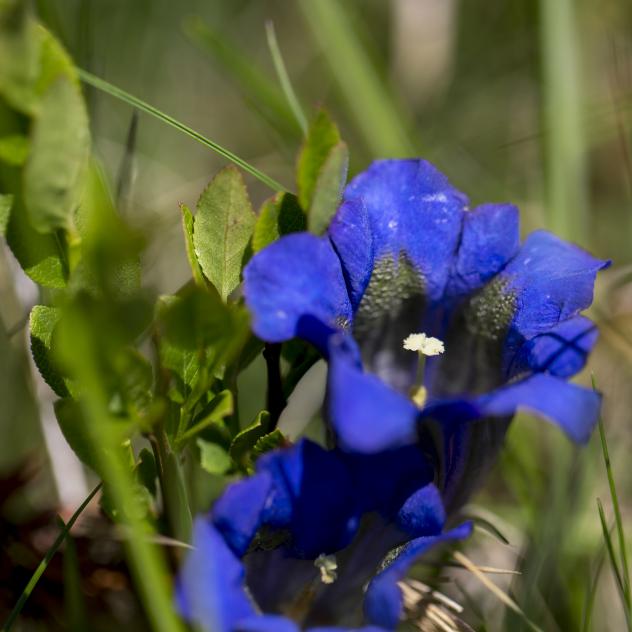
112 90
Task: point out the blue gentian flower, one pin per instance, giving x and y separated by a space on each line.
405 254
301 544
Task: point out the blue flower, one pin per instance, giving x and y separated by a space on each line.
295 545
404 254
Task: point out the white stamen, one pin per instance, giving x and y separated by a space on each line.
327 565
426 345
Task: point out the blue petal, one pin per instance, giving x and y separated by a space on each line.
490 238
299 275
238 513
422 513
552 280
210 591
383 603
412 210
367 415
350 233
267 623
573 408
561 351
312 496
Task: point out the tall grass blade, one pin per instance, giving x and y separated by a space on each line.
43 565
284 77
625 572
562 104
591 591
116 92
366 98
259 91
613 562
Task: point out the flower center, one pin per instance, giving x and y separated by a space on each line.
425 346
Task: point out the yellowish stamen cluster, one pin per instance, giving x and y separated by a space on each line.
425 346
327 565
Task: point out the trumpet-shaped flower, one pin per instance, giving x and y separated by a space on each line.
315 539
405 254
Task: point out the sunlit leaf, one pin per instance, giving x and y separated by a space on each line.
220 407
43 320
60 142
244 442
187 227
322 137
224 222
213 458
271 441
328 190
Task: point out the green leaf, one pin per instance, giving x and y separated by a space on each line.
146 470
245 441
73 426
42 257
279 215
43 320
328 190
220 407
19 54
6 202
322 137
213 458
198 319
14 149
223 225
55 62
187 227
60 144
271 441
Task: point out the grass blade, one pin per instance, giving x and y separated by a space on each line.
284 78
369 104
617 511
118 93
613 562
592 590
39 571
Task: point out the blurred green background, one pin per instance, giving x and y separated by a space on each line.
516 100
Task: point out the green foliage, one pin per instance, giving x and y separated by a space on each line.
242 446
220 407
279 215
43 320
224 222
213 458
6 202
330 183
59 150
14 149
187 227
268 442
322 137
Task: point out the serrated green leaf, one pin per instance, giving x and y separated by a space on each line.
279 215
322 137
213 458
187 227
328 190
6 202
60 144
223 225
245 441
271 441
42 322
220 407
14 149
19 54
42 257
